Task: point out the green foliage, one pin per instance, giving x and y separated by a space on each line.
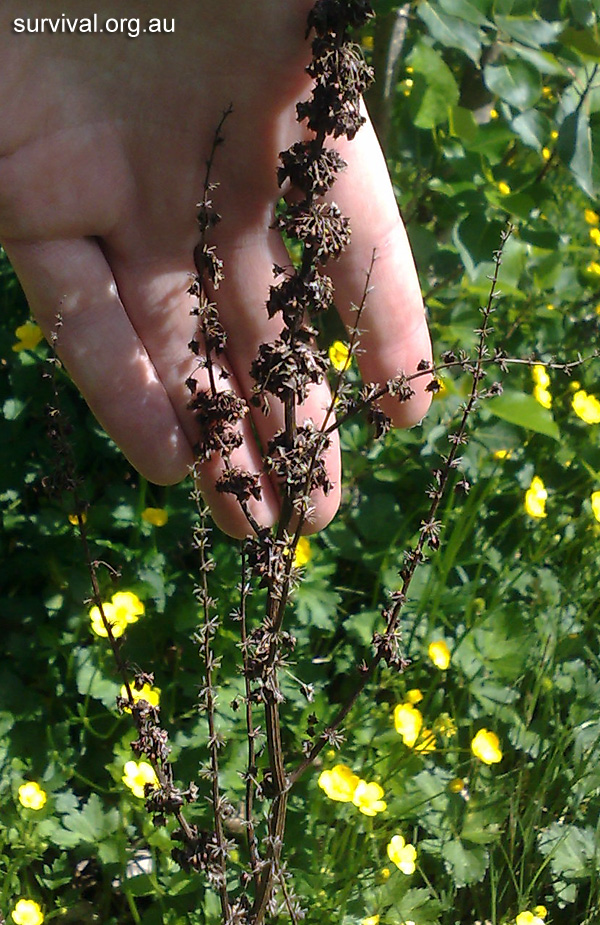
495 117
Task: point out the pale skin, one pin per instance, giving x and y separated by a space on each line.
103 148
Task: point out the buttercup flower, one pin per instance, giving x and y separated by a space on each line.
439 653
503 188
541 381
150 694
595 235
339 355
371 920
540 911
137 775
593 268
76 518
596 504
591 217
123 608
535 498
528 918
368 798
542 396
31 795
587 407
486 747
402 855
29 335
303 552
540 375
156 516
27 912
339 783
408 722
414 695
109 612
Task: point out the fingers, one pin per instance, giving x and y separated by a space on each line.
395 336
139 400
248 256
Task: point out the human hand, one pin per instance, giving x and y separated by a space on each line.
103 147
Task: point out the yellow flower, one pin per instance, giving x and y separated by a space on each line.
385 873
540 911
98 625
150 694
543 396
368 798
137 775
493 113
156 516
457 785
29 335
596 504
502 454
27 912
504 188
528 918
540 375
408 722
593 268
587 407
591 217
547 92
303 552
371 920
439 653
486 747
595 235
546 154
414 695
124 607
553 134
31 795
339 783
535 498
339 355
402 855
75 519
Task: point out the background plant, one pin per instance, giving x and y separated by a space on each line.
493 115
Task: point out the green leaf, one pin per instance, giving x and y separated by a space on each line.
435 90
476 241
533 128
91 683
574 147
516 82
451 31
530 30
544 61
571 850
316 601
462 124
524 411
583 41
465 865
466 10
